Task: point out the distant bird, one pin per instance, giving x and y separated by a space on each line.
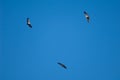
87 16
62 65
28 23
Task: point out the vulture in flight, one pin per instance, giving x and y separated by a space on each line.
87 16
28 23
62 65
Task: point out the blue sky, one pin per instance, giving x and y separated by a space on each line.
60 33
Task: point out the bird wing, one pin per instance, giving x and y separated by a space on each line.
62 65
30 25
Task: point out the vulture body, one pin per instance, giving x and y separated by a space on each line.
28 23
87 16
62 65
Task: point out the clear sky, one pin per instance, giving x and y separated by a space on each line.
60 33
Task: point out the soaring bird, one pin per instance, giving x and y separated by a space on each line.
87 16
62 65
28 23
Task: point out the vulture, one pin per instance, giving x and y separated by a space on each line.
28 23
62 65
87 16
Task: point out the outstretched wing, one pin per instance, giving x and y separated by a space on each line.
62 65
87 16
28 23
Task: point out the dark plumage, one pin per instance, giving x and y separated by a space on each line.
28 23
62 65
87 16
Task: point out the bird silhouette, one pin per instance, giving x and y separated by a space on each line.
62 65
28 23
87 16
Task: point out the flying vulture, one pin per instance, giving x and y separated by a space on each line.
28 23
62 65
87 16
